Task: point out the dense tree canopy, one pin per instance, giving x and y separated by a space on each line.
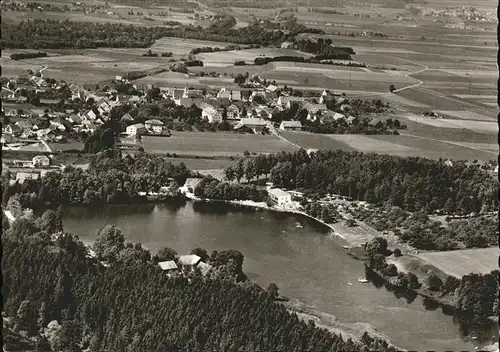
411 183
110 179
53 34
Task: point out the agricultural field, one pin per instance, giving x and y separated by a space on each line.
214 144
202 163
247 55
403 145
463 262
182 46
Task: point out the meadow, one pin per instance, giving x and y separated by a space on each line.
402 145
214 144
463 262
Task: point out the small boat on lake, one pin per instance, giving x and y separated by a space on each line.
350 284
363 280
345 247
298 225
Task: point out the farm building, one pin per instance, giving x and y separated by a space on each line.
136 129
211 114
256 125
279 197
375 123
291 126
232 95
325 97
190 185
41 160
154 126
190 259
12 130
289 101
168 265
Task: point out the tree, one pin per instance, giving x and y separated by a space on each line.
109 242
166 254
434 283
47 222
272 290
392 88
202 253
14 205
70 335
397 252
59 218
229 174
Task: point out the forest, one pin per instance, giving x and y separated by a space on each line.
421 232
323 49
65 307
21 56
411 183
110 179
53 34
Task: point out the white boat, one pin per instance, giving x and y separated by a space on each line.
350 284
363 280
345 247
298 225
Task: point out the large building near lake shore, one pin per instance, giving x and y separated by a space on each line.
279 197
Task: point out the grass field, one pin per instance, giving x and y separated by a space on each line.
403 145
214 144
463 262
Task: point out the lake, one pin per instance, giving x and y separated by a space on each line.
306 263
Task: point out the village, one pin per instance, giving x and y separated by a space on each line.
66 115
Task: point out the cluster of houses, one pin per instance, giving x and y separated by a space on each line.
190 261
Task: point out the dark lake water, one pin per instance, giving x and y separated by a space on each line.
306 263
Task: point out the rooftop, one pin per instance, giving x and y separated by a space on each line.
168 265
190 259
277 192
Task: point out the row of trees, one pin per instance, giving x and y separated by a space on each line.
110 179
65 306
411 183
323 49
54 34
325 212
213 189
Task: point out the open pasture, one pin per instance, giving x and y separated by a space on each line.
315 141
183 46
478 126
465 115
403 145
202 163
463 262
214 144
247 55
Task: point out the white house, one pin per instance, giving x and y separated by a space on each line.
448 162
190 259
233 112
279 197
290 126
190 185
154 126
168 265
211 114
136 129
41 160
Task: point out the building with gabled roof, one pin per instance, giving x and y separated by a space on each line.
190 259
291 126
